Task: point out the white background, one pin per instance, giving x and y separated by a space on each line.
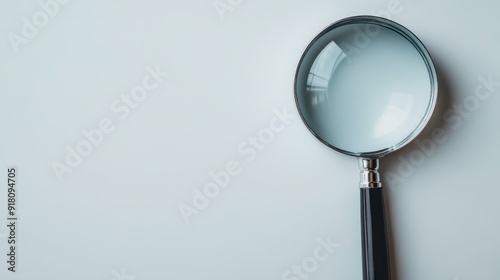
116 216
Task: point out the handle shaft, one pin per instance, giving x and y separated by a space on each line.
374 236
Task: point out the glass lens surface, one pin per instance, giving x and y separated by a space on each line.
363 87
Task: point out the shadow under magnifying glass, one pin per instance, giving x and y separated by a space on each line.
391 162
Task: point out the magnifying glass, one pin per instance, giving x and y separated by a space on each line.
366 86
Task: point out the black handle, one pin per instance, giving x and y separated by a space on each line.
373 235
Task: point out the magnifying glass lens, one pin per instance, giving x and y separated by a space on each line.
363 87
